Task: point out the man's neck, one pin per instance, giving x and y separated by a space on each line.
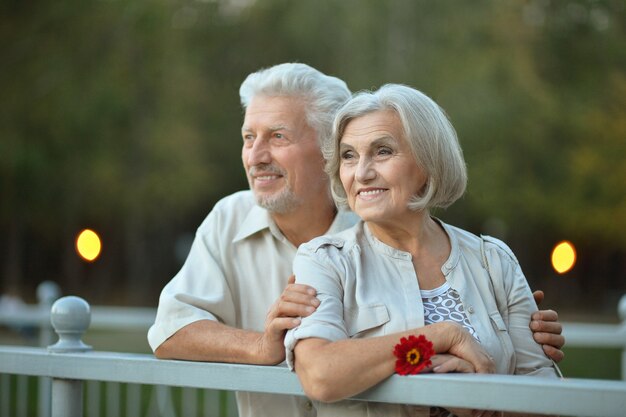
306 223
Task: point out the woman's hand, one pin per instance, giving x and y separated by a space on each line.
463 345
445 363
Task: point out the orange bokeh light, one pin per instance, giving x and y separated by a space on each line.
563 257
88 245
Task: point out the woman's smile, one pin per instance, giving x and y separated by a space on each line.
370 193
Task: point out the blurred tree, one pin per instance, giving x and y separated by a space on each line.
125 117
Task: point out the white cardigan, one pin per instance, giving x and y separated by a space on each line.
369 289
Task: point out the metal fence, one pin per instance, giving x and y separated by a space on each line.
20 391
144 382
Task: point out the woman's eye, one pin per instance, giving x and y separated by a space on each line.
347 155
384 151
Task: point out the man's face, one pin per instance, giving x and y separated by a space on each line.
281 154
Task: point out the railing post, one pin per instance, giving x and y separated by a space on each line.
621 311
70 317
47 293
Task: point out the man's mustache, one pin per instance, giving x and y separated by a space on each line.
265 169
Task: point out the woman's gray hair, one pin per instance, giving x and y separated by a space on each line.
428 131
323 94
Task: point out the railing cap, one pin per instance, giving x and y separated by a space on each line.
70 316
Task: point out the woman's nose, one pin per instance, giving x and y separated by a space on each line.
365 170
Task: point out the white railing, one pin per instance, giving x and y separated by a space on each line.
141 318
69 363
102 317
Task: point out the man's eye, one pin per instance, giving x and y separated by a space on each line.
279 135
384 151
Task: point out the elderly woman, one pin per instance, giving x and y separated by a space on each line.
399 272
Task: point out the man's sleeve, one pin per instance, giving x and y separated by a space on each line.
199 291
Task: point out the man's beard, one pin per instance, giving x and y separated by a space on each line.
282 202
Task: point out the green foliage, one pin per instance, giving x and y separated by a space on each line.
125 116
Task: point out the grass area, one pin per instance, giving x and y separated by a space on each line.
117 341
593 363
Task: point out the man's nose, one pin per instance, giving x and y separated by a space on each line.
259 153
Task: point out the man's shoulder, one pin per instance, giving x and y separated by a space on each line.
236 204
230 211
239 201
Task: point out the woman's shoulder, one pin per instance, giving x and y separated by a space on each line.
342 241
324 256
470 242
503 250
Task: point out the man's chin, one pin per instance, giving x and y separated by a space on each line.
280 204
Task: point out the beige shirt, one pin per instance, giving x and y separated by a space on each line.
369 289
238 266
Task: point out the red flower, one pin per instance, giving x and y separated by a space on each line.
413 354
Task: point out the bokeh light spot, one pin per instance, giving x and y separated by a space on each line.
88 245
563 257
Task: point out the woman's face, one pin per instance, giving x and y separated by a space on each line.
377 169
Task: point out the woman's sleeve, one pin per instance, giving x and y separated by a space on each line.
530 358
312 266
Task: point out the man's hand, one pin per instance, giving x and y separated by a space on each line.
547 330
296 301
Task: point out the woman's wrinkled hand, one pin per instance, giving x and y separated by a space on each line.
464 346
446 363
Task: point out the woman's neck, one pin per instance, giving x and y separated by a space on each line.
427 242
409 234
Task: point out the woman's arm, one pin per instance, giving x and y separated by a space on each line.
331 371
330 364
520 304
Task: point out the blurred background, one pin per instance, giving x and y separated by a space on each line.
124 117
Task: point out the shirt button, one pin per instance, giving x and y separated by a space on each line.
470 310
308 406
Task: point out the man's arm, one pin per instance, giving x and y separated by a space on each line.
211 341
547 330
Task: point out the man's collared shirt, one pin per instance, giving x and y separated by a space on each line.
237 267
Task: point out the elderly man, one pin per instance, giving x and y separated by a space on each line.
234 299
